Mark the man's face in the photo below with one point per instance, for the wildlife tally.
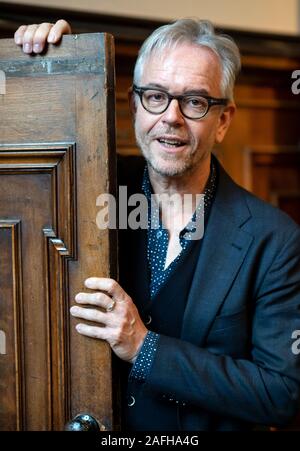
(172, 144)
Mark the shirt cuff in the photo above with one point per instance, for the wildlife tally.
(145, 358)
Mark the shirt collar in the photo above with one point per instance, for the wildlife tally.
(202, 208)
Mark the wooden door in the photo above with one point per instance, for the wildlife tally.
(273, 174)
(57, 154)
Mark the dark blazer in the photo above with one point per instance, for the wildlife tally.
(233, 365)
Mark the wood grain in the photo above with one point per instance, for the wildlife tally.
(57, 154)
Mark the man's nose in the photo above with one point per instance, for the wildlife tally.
(173, 115)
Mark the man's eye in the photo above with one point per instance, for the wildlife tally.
(195, 102)
(155, 97)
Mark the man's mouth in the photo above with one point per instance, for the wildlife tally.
(172, 142)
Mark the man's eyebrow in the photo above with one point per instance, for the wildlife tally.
(193, 92)
(155, 86)
(196, 92)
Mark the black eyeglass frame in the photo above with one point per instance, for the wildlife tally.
(211, 101)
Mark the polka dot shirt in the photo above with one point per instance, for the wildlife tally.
(157, 247)
(158, 237)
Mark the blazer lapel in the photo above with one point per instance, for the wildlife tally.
(223, 251)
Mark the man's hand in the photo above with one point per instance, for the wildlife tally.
(33, 38)
(121, 327)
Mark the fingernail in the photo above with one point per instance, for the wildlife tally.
(18, 40)
(37, 48)
(27, 48)
(51, 37)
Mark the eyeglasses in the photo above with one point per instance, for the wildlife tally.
(191, 106)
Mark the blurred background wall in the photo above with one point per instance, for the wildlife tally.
(262, 148)
(278, 16)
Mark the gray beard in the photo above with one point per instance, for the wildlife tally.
(184, 168)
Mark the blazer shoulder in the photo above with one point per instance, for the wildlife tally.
(260, 217)
(269, 215)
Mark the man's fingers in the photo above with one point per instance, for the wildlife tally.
(40, 37)
(28, 38)
(34, 37)
(61, 27)
(18, 36)
(99, 299)
(89, 314)
(110, 286)
(92, 331)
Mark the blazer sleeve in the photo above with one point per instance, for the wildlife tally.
(262, 389)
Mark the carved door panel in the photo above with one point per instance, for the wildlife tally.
(57, 154)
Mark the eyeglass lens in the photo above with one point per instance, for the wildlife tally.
(191, 105)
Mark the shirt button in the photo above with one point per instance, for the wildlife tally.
(131, 402)
(159, 234)
(148, 320)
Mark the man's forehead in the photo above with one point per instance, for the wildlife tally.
(189, 58)
(182, 68)
(183, 51)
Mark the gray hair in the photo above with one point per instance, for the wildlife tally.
(194, 31)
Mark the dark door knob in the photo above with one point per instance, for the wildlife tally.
(83, 422)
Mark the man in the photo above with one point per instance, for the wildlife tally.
(204, 326)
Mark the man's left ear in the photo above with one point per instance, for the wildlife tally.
(224, 121)
(131, 101)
